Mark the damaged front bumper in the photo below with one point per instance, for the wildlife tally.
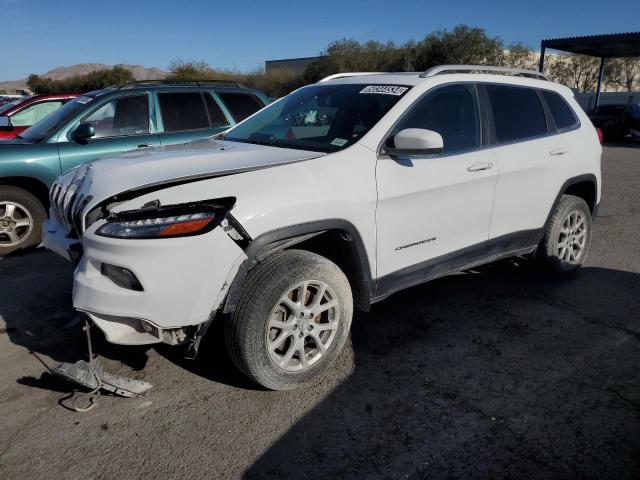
(182, 281)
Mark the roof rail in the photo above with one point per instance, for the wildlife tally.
(348, 74)
(198, 83)
(516, 72)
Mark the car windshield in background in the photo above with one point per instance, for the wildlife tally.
(322, 118)
(48, 125)
(11, 104)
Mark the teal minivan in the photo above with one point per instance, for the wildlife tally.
(102, 123)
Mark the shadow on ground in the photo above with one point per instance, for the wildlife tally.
(37, 314)
(493, 374)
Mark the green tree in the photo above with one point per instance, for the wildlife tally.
(191, 70)
(575, 71)
(624, 73)
(95, 80)
(462, 45)
(519, 56)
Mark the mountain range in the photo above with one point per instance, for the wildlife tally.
(60, 73)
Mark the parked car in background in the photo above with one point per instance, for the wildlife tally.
(18, 115)
(634, 121)
(613, 120)
(107, 122)
(332, 198)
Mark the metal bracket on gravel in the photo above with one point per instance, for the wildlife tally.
(91, 375)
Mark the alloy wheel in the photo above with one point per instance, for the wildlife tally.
(303, 325)
(572, 239)
(16, 223)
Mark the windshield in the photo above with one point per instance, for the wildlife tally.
(10, 104)
(48, 125)
(322, 118)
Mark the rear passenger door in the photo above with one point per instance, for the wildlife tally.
(188, 116)
(533, 160)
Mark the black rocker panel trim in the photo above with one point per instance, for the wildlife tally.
(512, 244)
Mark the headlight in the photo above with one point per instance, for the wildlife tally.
(163, 222)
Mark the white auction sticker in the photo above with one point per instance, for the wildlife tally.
(385, 89)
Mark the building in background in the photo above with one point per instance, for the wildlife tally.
(293, 65)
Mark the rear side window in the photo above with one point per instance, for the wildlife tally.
(241, 105)
(183, 111)
(517, 113)
(216, 116)
(562, 114)
(452, 111)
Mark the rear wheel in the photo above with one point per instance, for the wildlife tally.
(21, 217)
(567, 237)
(292, 319)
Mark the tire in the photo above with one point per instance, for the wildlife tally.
(21, 218)
(569, 221)
(263, 319)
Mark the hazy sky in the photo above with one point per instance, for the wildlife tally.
(38, 35)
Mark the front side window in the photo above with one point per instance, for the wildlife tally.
(322, 118)
(34, 113)
(562, 114)
(452, 111)
(182, 111)
(517, 113)
(121, 117)
(241, 105)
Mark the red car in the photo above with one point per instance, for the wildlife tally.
(18, 115)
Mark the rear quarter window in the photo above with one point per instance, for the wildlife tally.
(241, 105)
(561, 112)
(517, 113)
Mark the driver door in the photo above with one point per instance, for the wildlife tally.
(122, 124)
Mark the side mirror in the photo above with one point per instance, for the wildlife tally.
(5, 124)
(415, 141)
(83, 132)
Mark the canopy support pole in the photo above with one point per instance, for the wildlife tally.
(603, 62)
(541, 64)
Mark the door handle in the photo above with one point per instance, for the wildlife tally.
(476, 167)
(558, 151)
(142, 145)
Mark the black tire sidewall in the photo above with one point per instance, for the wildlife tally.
(568, 204)
(35, 208)
(303, 266)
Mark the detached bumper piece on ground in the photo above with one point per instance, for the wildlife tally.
(91, 375)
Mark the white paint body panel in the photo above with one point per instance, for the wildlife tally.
(390, 205)
(434, 200)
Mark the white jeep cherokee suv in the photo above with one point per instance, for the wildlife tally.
(333, 197)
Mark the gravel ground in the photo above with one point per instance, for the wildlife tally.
(494, 373)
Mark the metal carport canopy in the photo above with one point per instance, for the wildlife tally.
(614, 45)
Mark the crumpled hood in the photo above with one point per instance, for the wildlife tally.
(142, 169)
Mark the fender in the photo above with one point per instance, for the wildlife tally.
(281, 238)
(587, 177)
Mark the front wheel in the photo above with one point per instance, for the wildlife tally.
(567, 237)
(292, 319)
(21, 217)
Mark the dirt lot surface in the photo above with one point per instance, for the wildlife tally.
(494, 373)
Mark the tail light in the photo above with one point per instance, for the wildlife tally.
(600, 136)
